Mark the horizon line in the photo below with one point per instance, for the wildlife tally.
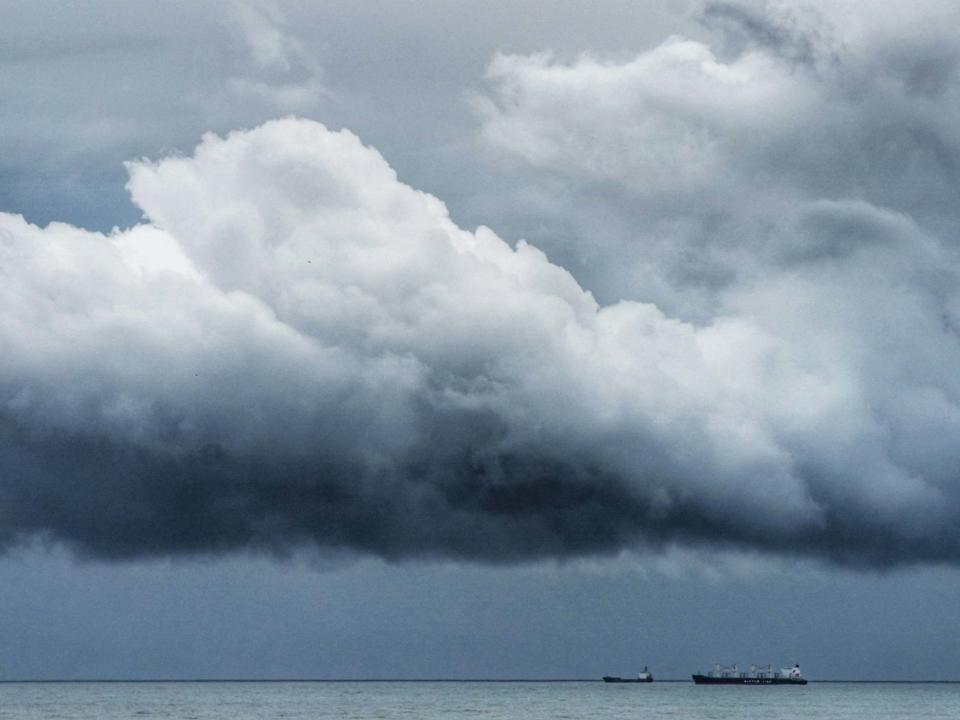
(10, 681)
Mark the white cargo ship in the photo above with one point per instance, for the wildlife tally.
(732, 675)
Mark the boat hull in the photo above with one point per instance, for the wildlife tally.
(707, 680)
(611, 679)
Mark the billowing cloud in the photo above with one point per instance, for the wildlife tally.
(299, 348)
(296, 348)
(681, 167)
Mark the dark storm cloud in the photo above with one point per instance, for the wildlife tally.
(121, 502)
(297, 348)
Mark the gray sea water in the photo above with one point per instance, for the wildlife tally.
(474, 700)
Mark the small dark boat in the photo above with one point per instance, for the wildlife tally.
(644, 676)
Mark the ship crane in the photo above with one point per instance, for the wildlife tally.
(726, 670)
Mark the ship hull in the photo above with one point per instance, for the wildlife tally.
(610, 679)
(707, 680)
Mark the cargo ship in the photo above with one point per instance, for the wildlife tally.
(732, 675)
(644, 676)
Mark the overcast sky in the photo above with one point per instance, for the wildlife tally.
(420, 339)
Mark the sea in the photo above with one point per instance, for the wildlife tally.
(369, 700)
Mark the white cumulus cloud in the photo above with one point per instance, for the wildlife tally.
(298, 347)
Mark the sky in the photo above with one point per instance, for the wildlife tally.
(493, 339)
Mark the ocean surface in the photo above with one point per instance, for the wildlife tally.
(475, 700)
